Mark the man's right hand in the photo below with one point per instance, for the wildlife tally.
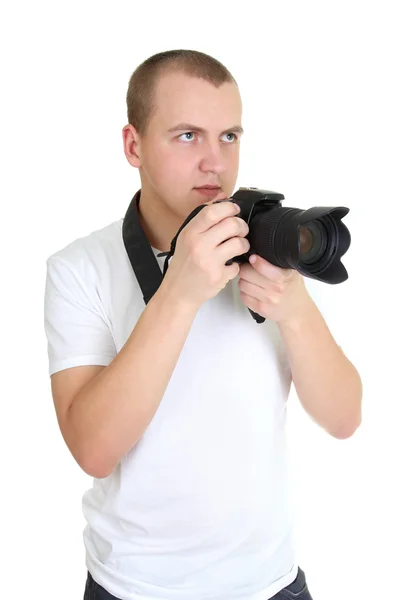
(197, 271)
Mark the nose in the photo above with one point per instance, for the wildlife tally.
(213, 159)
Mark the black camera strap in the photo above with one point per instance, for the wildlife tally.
(140, 253)
(141, 256)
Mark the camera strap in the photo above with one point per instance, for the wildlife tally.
(140, 253)
(141, 256)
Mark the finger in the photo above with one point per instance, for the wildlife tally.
(265, 268)
(211, 215)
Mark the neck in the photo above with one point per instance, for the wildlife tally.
(158, 224)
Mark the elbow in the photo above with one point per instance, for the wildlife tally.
(94, 466)
(348, 429)
(97, 462)
(88, 453)
(96, 471)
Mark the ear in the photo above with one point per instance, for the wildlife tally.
(131, 141)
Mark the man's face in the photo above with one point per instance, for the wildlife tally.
(175, 163)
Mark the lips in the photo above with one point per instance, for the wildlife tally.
(208, 187)
(208, 191)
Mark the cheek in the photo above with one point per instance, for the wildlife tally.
(172, 173)
(232, 165)
(173, 166)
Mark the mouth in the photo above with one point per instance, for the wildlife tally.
(208, 187)
(208, 190)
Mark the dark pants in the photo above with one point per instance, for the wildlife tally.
(297, 590)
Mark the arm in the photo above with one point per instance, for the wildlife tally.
(110, 414)
(327, 384)
(104, 407)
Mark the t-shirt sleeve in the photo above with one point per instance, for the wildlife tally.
(77, 333)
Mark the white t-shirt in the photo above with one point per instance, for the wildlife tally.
(200, 508)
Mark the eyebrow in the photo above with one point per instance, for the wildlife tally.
(189, 127)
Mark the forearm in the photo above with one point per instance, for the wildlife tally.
(327, 384)
(111, 414)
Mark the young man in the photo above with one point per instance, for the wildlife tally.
(177, 408)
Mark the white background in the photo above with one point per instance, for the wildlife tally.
(320, 89)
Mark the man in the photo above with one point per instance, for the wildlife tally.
(177, 409)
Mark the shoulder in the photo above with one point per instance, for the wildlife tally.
(92, 252)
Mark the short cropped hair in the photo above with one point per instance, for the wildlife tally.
(140, 97)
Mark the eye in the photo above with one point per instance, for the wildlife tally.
(184, 136)
(235, 137)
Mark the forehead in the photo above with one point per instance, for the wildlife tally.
(181, 98)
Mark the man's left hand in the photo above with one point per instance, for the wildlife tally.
(274, 293)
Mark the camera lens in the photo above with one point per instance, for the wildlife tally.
(306, 240)
(286, 239)
(313, 241)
